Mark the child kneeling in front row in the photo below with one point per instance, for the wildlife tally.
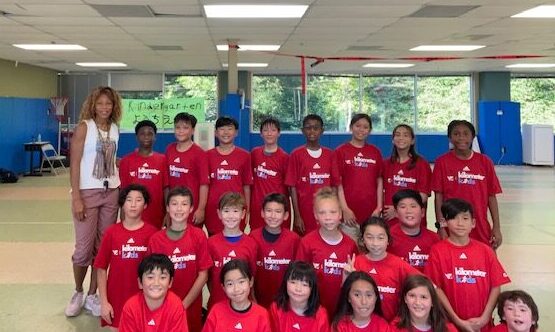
(155, 308)
(466, 272)
(518, 312)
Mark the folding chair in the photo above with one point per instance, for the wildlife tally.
(50, 156)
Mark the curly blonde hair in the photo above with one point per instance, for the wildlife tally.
(88, 108)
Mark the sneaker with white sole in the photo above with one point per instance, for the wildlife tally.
(92, 304)
(75, 305)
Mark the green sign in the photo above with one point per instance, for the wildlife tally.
(161, 111)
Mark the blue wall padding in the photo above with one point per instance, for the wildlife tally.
(23, 119)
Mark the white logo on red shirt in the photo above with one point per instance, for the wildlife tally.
(239, 326)
(463, 276)
(132, 173)
(224, 163)
(145, 165)
(316, 166)
(466, 169)
(296, 326)
(232, 253)
(176, 171)
(152, 323)
(360, 154)
(450, 178)
(263, 164)
(449, 276)
(272, 253)
(226, 174)
(401, 172)
(387, 289)
(146, 173)
(115, 252)
(263, 172)
(316, 266)
(462, 256)
(363, 162)
(131, 240)
(176, 251)
(373, 271)
(177, 160)
(333, 255)
(416, 248)
(315, 178)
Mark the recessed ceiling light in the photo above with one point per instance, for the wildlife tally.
(531, 65)
(448, 48)
(388, 65)
(101, 64)
(538, 12)
(249, 64)
(251, 47)
(255, 11)
(51, 47)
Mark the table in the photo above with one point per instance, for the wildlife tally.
(32, 148)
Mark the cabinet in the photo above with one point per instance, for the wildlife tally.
(537, 144)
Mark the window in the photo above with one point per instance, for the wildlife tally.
(536, 96)
(188, 86)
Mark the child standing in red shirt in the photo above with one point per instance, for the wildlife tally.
(238, 312)
(518, 312)
(122, 249)
(229, 244)
(360, 169)
(465, 174)
(230, 171)
(187, 248)
(359, 306)
(277, 247)
(188, 165)
(310, 168)
(466, 272)
(327, 248)
(155, 309)
(409, 240)
(269, 163)
(388, 270)
(148, 168)
(405, 169)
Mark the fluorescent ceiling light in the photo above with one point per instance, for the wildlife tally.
(255, 11)
(51, 47)
(101, 64)
(538, 12)
(251, 47)
(388, 65)
(448, 48)
(531, 65)
(249, 64)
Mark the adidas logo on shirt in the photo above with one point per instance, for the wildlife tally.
(263, 164)
(115, 252)
(401, 172)
(316, 166)
(232, 253)
(417, 248)
(297, 326)
(333, 255)
(238, 326)
(177, 251)
(272, 253)
(177, 160)
(224, 163)
(462, 256)
(131, 240)
(132, 173)
(373, 271)
(466, 169)
(145, 165)
(360, 154)
(449, 276)
(152, 323)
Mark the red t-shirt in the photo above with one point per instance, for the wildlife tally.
(307, 175)
(397, 176)
(360, 169)
(473, 180)
(466, 274)
(500, 328)
(377, 324)
(189, 256)
(151, 172)
(227, 173)
(389, 274)
(289, 321)
(223, 318)
(137, 317)
(222, 251)
(272, 260)
(121, 252)
(412, 249)
(329, 261)
(268, 177)
(450, 328)
(189, 169)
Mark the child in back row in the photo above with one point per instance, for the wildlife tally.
(229, 244)
(122, 248)
(269, 164)
(327, 248)
(156, 308)
(359, 306)
(188, 165)
(467, 273)
(238, 312)
(518, 312)
(187, 248)
(297, 306)
(409, 240)
(310, 168)
(277, 247)
(230, 171)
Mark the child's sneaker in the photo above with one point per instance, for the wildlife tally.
(75, 305)
(92, 304)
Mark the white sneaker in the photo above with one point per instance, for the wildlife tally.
(92, 304)
(74, 306)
